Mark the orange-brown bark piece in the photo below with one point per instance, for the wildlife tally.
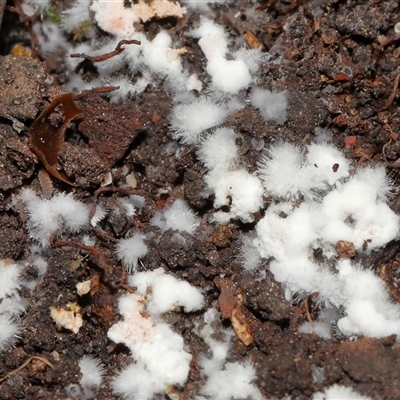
(231, 306)
(390, 274)
(345, 249)
(227, 301)
(251, 40)
(45, 139)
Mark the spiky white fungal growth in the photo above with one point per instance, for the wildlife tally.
(219, 150)
(188, 121)
(131, 249)
(47, 216)
(10, 302)
(288, 172)
(239, 190)
(339, 392)
(233, 381)
(272, 106)
(92, 372)
(8, 332)
(177, 217)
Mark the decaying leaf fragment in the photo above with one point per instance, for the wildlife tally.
(231, 306)
(45, 139)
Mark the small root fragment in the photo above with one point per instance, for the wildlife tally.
(95, 252)
(308, 314)
(24, 364)
(390, 100)
(90, 60)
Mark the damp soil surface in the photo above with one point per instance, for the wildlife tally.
(340, 67)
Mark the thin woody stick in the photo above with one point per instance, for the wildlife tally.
(102, 57)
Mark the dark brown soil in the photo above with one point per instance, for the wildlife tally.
(340, 65)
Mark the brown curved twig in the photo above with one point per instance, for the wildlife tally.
(99, 257)
(24, 364)
(125, 191)
(390, 100)
(89, 60)
(28, 20)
